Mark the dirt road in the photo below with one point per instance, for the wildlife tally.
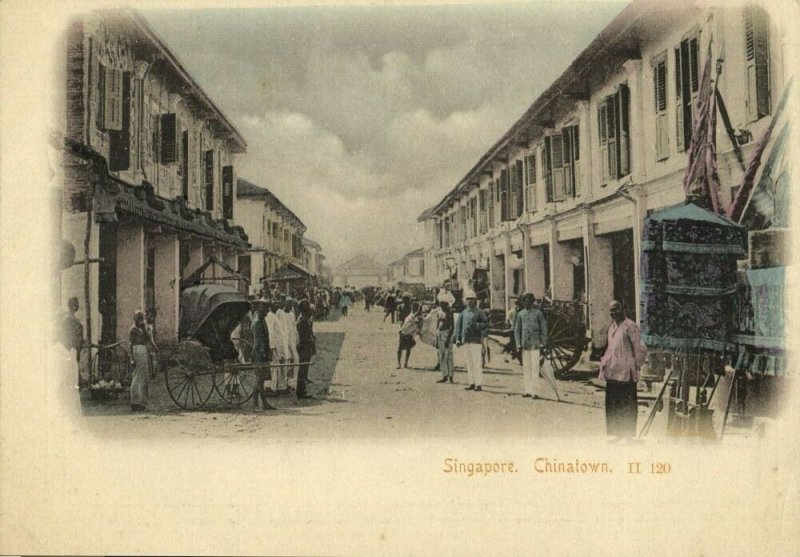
(359, 393)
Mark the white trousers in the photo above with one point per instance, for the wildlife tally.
(291, 372)
(472, 354)
(535, 381)
(530, 369)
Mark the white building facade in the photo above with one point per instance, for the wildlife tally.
(556, 205)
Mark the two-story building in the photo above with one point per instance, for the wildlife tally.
(409, 269)
(312, 256)
(556, 204)
(149, 169)
(276, 238)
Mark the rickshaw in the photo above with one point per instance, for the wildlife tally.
(207, 359)
(566, 332)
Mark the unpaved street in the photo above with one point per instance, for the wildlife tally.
(359, 393)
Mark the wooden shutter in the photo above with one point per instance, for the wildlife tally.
(548, 169)
(660, 97)
(168, 126)
(185, 165)
(602, 130)
(613, 139)
(227, 192)
(520, 172)
(112, 99)
(208, 164)
(505, 197)
(576, 159)
(119, 156)
(557, 165)
(512, 191)
(680, 70)
(756, 27)
(623, 131)
(569, 175)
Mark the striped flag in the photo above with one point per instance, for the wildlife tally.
(762, 188)
(701, 180)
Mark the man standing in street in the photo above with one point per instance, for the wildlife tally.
(530, 336)
(620, 368)
(444, 337)
(261, 352)
(306, 346)
(290, 323)
(278, 346)
(472, 327)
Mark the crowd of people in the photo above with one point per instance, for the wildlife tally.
(465, 327)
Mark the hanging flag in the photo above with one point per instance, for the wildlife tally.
(701, 180)
(772, 144)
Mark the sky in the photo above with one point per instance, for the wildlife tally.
(361, 117)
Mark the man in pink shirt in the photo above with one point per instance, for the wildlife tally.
(620, 367)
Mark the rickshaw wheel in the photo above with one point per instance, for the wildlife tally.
(189, 374)
(565, 338)
(237, 385)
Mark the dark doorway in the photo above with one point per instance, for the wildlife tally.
(623, 273)
(185, 165)
(578, 272)
(150, 277)
(107, 283)
(546, 267)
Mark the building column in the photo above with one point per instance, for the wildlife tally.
(167, 286)
(639, 214)
(599, 281)
(130, 280)
(196, 255)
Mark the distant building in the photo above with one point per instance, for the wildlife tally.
(360, 271)
(276, 236)
(409, 269)
(312, 256)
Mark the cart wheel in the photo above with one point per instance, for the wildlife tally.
(189, 374)
(565, 338)
(236, 386)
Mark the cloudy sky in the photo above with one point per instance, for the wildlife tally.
(359, 118)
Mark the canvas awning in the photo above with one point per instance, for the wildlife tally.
(289, 272)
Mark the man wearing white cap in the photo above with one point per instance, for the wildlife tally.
(471, 328)
(290, 323)
(277, 345)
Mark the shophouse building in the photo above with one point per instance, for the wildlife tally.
(276, 238)
(556, 205)
(149, 169)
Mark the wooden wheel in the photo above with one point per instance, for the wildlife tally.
(236, 384)
(565, 338)
(189, 374)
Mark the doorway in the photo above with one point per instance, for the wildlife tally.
(623, 272)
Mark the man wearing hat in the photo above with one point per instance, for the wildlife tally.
(471, 328)
(530, 335)
(620, 367)
(261, 352)
(444, 335)
(290, 323)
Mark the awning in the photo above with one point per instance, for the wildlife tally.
(114, 197)
(288, 272)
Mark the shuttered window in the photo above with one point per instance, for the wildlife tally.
(687, 84)
(484, 211)
(614, 134)
(555, 161)
(548, 169)
(168, 129)
(602, 127)
(119, 154)
(660, 97)
(505, 206)
(185, 165)
(571, 161)
(208, 165)
(473, 215)
(530, 182)
(110, 101)
(756, 30)
(519, 172)
(227, 192)
(490, 211)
